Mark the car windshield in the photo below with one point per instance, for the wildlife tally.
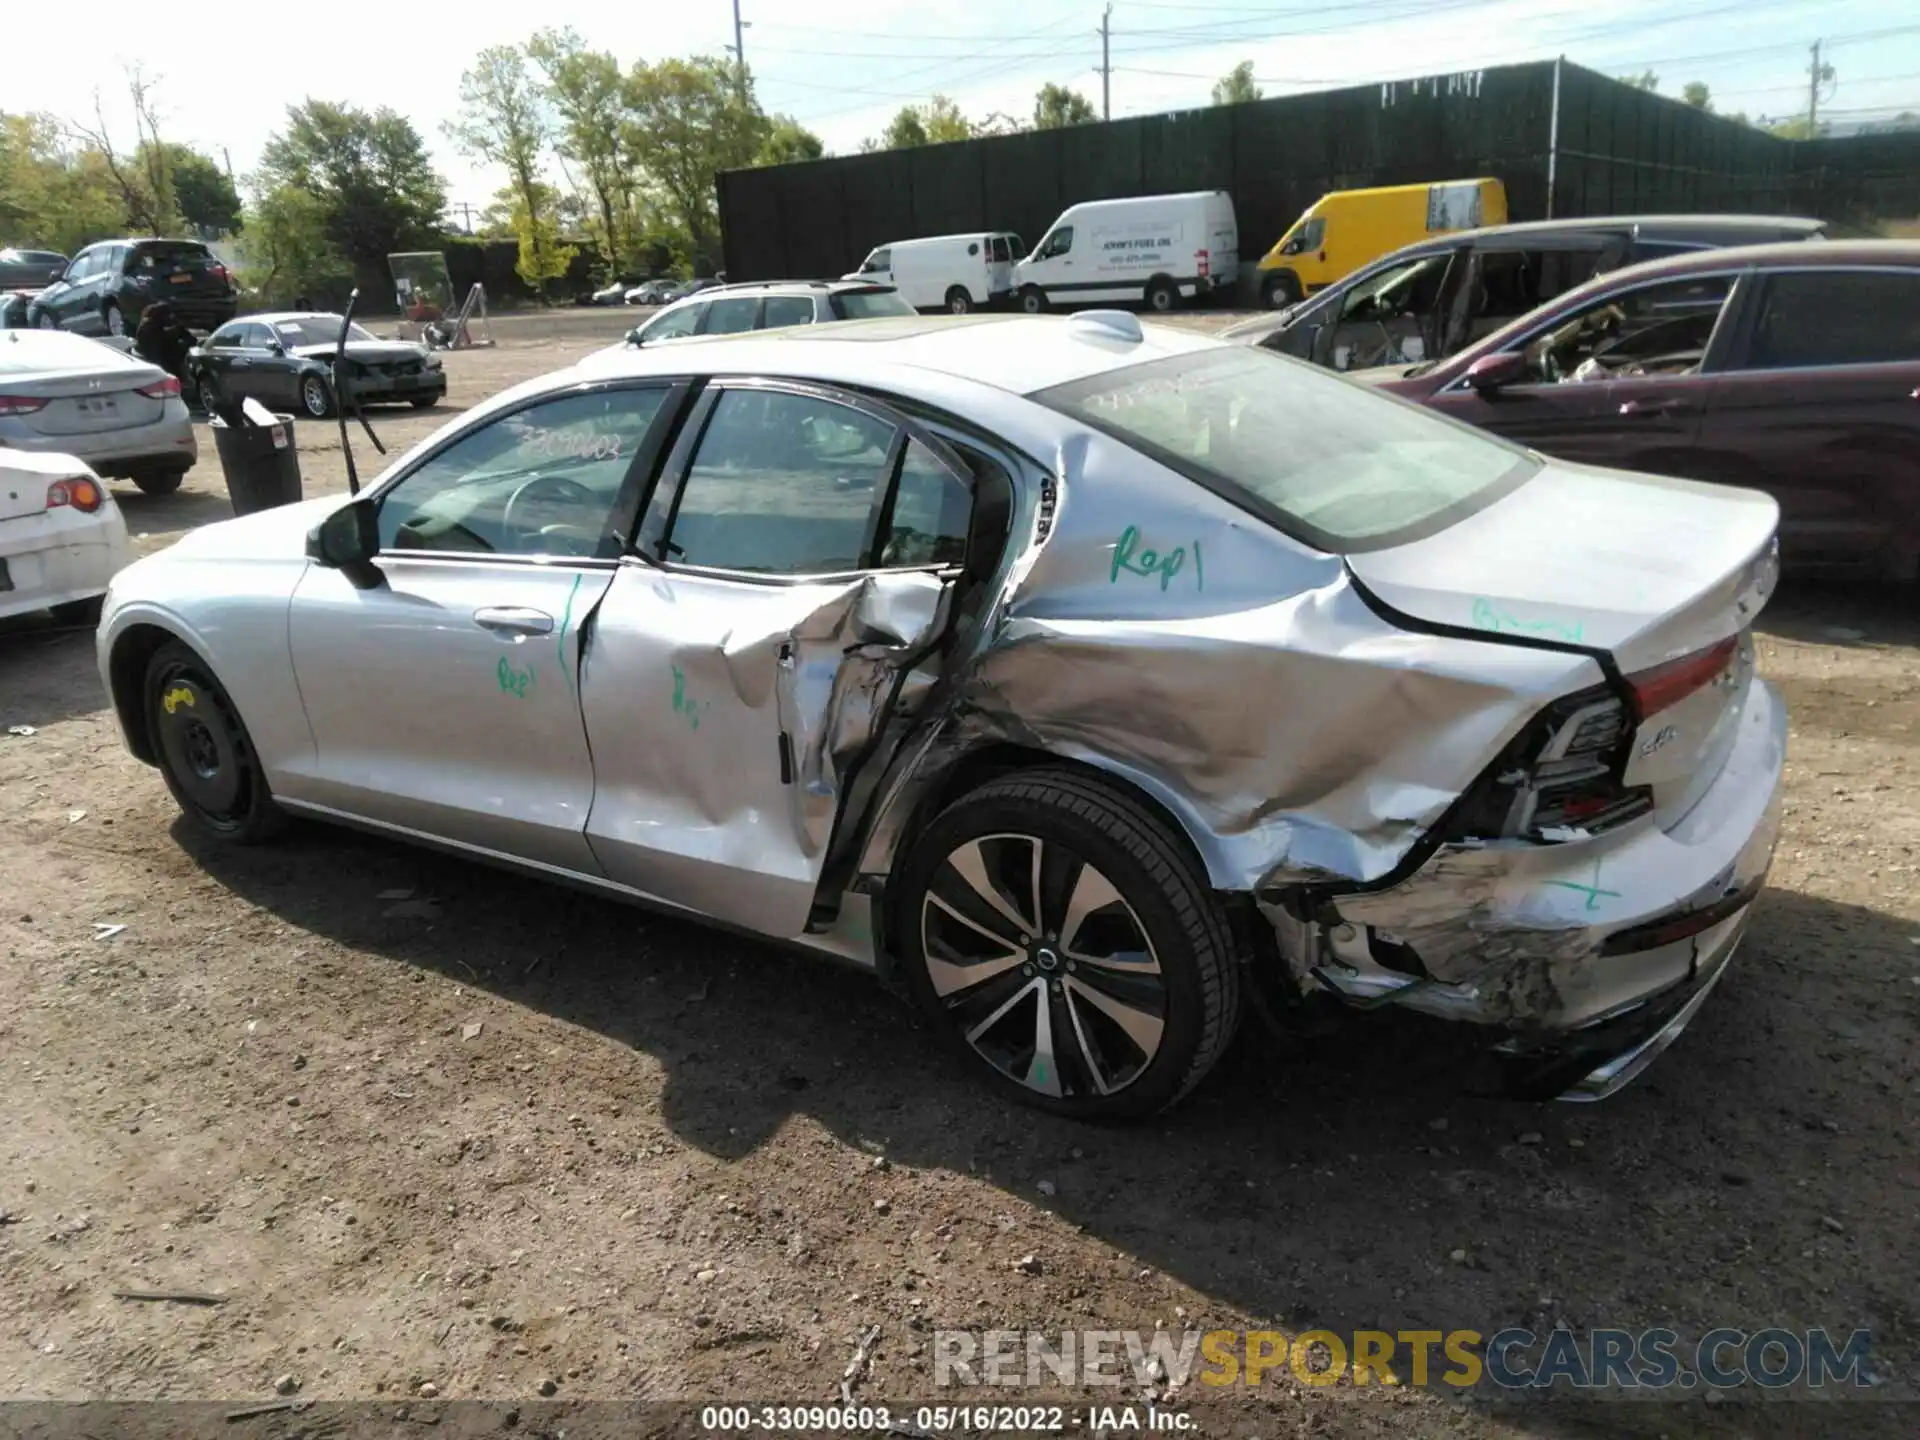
(869, 304)
(314, 330)
(1325, 459)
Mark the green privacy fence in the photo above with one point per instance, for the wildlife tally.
(1565, 140)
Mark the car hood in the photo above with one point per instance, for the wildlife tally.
(276, 534)
(1256, 329)
(1383, 374)
(1638, 566)
(378, 351)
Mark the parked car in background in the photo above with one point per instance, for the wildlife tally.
(285, 361)
(67, 395)
(30, 269)
(62, 538)
(612, 293)
(956, 273)
(653, 292)
(1074, 674)
(1342, 231)
(1794, 369)
(1154, 250)
(1434, 298)
(769, 305)
(106, 287)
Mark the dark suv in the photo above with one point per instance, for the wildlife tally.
(1433, 298)
(108, 285)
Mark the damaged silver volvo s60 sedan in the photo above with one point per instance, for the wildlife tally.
(1076, 677)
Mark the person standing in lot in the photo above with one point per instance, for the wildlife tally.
(161, 340)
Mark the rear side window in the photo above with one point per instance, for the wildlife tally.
(1324, 459)
(1837, 317)
(788, 310)
(1000, 251)
(732, 316)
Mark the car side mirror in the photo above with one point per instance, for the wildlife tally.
(634, 338)
(274, 347)
(1490, 372)
(347, 540)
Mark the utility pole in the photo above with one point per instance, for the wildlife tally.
(739, 48)
(1106, 64)
(1813, 94)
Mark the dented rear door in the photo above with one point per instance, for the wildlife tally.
(797, 566)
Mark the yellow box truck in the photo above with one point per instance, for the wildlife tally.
(1344, 230)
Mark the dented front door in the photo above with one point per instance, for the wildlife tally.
(733, 685)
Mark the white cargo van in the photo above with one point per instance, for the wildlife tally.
(1157, 249)
(946, 272)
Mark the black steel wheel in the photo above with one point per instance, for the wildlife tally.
(1055, 929)
(1279, 290)
(1033, 300)
(204, 750)
(959, 302)
(1162, 294)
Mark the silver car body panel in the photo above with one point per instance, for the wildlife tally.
(94, 408)
(1306, 720)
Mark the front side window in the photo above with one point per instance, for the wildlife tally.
(1661, 329)
(1837, 317)
(879, 260)
(227, 337)
(1058, 243)
(541, 481)
(1309, 236)
(1323, 458)
(781, 484)
(732, 316)
(672, 324)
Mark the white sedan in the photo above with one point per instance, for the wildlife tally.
(64, 394)
(61, 537)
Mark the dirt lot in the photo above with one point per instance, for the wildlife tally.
(488, 1133)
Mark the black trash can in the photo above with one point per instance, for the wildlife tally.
(261, 463)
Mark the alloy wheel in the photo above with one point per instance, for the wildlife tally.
(313, 394)
(1043, 966)
(116, 322)
(44, 321)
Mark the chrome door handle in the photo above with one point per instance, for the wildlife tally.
(1654, 407)
(513, 620)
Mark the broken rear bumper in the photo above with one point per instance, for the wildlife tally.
(1590, 956)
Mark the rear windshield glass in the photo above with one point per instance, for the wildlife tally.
(165, 258)
(1323, 458)
(869, 304)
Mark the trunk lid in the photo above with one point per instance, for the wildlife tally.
(1662, 578)
(25, 476)
(88, 388)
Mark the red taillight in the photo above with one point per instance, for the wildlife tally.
(221, 271)
(1200, 258)
(1654, 690)
(20, 404)
(160, 389)
(80, 492)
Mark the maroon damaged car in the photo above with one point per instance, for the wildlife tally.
(1793, 369)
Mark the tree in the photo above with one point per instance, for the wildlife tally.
(904, 131)
(1236, 87)
(144, 176)
(1795, 127)
(203, 191)
(584, 88)
(934, 123)
(287, 249)
(788, 140)
(945, 122)
(544, 258)
(1056, 107)
(373, 189)
(687, 120)
(503, 121)
(1646, 80)
(1696, 94)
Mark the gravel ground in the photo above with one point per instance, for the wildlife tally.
(425, 1124)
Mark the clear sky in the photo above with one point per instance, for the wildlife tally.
(844, 66)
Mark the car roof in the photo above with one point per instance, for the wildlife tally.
(1643, 225)
(1829, 254)
(1016, 353)
(274, 317)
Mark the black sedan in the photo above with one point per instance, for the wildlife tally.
(286, 363)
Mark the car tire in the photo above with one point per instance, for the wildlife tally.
(203, 750)
(1162, 295)
(1280, 289)
(158, 482)
(80, 612)
(959, 302)
(1033, 300)
(316, 397)
(44, 321)
(1070, 1030)
(206, 394)
(115, 322)
(424, 402)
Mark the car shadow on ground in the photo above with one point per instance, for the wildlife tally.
(1844, 613)
(1340, 1181)
(47, 672)
(171, 516)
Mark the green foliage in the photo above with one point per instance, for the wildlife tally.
(1236, 87)
(787, 141)
(1646, 80)
(544, 257)
(1056, 107)
(287, 249)
(52, 194)
(202, 191)
(585, 91)
(687, 120)
(365, 186)
(934, 123)
(1696, 94)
